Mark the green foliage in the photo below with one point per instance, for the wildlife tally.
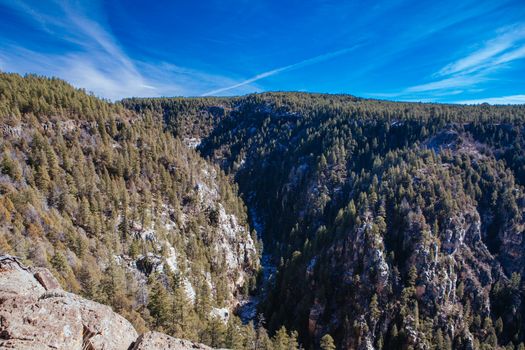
(327, 342)
(82, 182)
(354, 182)
(358, 198)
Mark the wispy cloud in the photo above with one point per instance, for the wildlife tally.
(97, 62)
(481, 64)
(454, 82)
(475, 68)
(303, 63)
(73, 39)
(503, 100)
(506, 47)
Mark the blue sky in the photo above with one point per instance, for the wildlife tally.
(442, 51)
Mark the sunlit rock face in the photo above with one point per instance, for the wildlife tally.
(35, 313)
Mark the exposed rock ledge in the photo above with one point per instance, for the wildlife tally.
(35, 313)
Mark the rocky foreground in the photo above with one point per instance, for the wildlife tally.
(36, 313)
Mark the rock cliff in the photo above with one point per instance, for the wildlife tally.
(393, 225)
(35, 313)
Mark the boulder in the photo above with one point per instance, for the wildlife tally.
(37, 314)
(46, 279)
(27, 322)
(15, 279)
(160, 341)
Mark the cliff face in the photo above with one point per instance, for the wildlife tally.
(225, 235)
(394, 225)
(160, 232)
(35, 313)
(119, 210)
(386, 225)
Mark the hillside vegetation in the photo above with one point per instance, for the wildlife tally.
(123, 213)
(390, 225)
(394, 225)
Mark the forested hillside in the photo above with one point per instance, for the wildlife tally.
(123, 213)
(393, 225)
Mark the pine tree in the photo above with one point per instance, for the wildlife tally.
(10, 167)
(216, 332)
(374, 309)
(249, 337)
(262, 340)
(412, 276)
(233, 338)
(203, 302)
(59, 262)
(42, 178)
(111, 287)
(87, 281)
(327, 342)
(293, 343)
(280, 339)
(159, 303)
(499, 326)
(439, 341)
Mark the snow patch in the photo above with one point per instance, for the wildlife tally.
(190, 291)
(221, 313)
(171, 260)
(192, 142)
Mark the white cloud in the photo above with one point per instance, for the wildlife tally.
(476, 67)
(445, 84)
(490, 54)
(97, 72)
(272, 72)
(117, 84)
(503, 100)
(511, 55)
(246, 82)
(97, 62)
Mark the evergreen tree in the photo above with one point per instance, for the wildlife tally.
(327, 342)
(280, 339)
(159, 303)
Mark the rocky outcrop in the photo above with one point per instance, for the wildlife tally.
(35, 313)
(156, 340)
(397, 226)
(224, 232)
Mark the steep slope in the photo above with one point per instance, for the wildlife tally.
(119, 210)
(394, 225)
(35, 313)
